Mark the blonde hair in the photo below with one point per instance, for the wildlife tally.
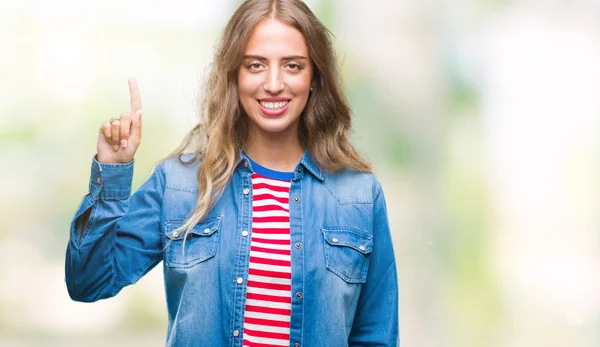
(218, 138)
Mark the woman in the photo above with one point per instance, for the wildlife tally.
(273, 231)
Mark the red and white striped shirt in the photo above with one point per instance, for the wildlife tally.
(269, 285)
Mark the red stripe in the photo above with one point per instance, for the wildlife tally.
(275, 262)
(269, 208)
(265, 297)
(270, 310)
(272, 187)
(269, 322)
(269, 196)
(274, 286)
(267, 334)
(273, 242)
(265, 273)
(269, 250)
(255, 344)
(271, 219)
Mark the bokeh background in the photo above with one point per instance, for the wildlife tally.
(480, 117)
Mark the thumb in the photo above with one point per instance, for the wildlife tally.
(136, 125)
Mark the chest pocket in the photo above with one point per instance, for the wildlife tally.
(347, 252)
(200, 244)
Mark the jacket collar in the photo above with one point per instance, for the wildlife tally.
(305, 161)
(310, 165)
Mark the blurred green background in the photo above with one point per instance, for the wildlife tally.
(481, 119)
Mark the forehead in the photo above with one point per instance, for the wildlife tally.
(272, 38)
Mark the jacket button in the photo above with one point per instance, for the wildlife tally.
(296, 345)
(298, 244)
(334, 240)
(299, 295)
(206, 231)
(246, 191)
(244, 233)
(236, 333)
(175, 234)
(99, 180)
(362, 248)
(296, 198)
(240, 280)
(246, 164)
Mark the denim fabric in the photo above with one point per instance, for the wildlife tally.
(344, 281)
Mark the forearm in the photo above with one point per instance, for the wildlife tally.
(89, 263)
(114, 236)
(90, 260)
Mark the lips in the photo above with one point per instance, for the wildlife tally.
(273, 107)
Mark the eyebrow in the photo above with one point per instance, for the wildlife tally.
(291, 57)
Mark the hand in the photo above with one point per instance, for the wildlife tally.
(119, 138)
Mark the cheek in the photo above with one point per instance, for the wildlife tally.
(299, 84)
(302, 81)
(247, 85)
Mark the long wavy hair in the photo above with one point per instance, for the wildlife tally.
(218, 138)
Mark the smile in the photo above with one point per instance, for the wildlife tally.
(273, 108)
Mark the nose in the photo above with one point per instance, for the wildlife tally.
(273, 84)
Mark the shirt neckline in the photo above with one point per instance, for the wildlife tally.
(269, 173)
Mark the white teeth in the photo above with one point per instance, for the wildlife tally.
(273, 105)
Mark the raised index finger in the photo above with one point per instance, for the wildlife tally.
(134, 96)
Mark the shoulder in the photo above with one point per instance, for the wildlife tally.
(179, 171)
(349, 186)
(184, 161)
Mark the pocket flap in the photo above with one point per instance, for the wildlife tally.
(205, 228)
(348, 237)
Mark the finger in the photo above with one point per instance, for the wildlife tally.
(105, 130)
(124, 128)
(134, 95)
(136, 125)
(114, 132)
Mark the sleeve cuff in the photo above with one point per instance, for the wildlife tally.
(111, 181)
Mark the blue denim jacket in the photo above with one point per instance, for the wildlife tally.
(344, 291)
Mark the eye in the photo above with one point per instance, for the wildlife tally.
(254, 66)
(294, 66)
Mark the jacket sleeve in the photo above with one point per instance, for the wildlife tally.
(122, 238)
(376, 319)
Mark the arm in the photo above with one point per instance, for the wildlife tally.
(376, 319)
(120, 240)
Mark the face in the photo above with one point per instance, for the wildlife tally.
(274, 78)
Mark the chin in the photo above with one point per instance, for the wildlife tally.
(273, 125)
(274, 128)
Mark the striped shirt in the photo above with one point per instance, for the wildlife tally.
(269, 285)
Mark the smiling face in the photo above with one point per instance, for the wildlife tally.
(274, 78)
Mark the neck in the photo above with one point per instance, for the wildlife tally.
(279, 152)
